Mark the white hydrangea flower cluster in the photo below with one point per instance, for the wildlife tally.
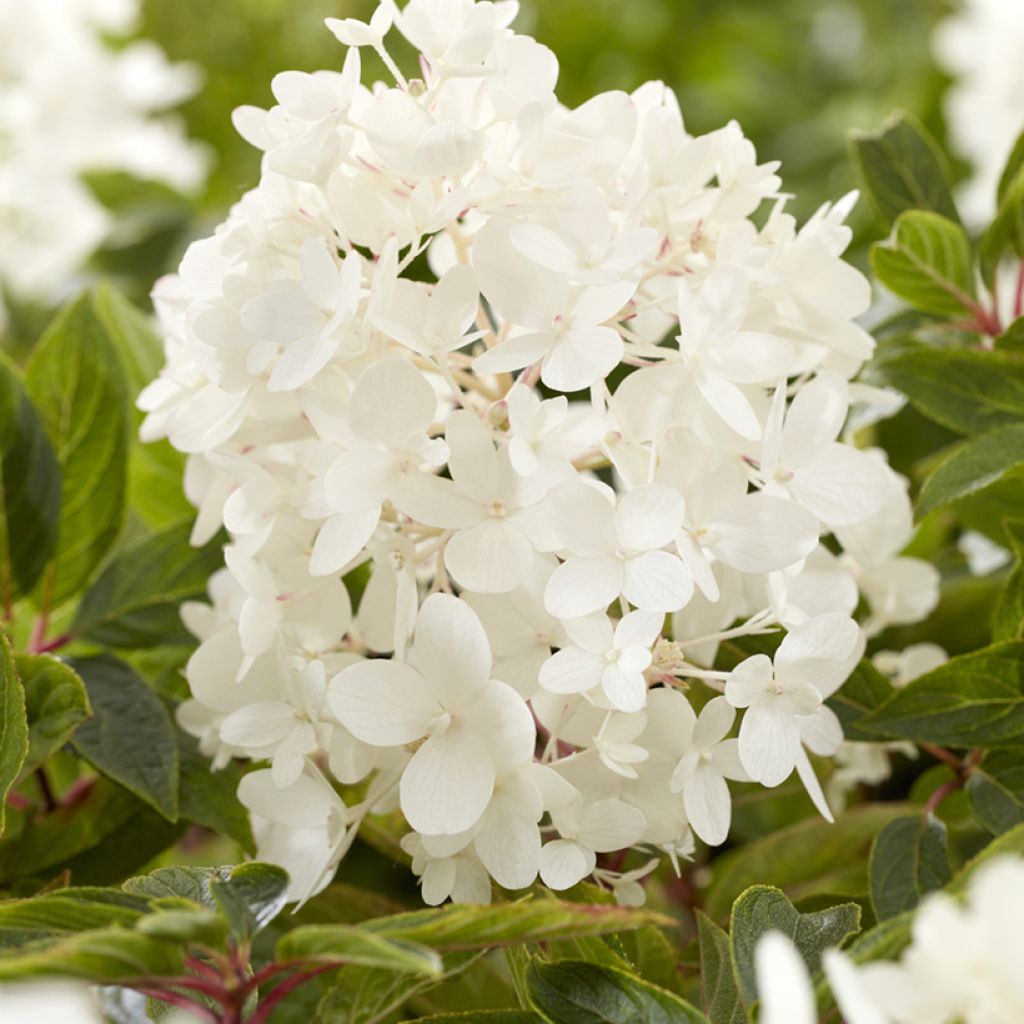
(962, 965)
(980, 47)
(69, 103)
(370, 365)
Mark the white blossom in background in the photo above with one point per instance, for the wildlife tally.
(980, 46)
(70, 104)
(962, 965)
(514, 417)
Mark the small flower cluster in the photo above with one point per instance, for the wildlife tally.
(537, 387)
(69, 104)
(962, 965)
(980, 47)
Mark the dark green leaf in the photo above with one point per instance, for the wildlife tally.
(809, 859)
(928, 262)
(30, 479)
(722, 1002)
(130, 737)
(1009, 843)
(469, 926)
(181, 882)
(865, 690)
(965, 390)
(1008, 616)
(76, 383)
(996, 790)
(577, 992)
(975, 699)
(972, 466)
(909, 859)
(209, 798)
(55, 701)
(901, 168)
(13, 724)
(135, 600)
(480, 1017)
(346, 944)
(762, 909)
(250, 896)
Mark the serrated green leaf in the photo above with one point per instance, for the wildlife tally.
(974, 699)
(720, 994)
(971, 467)
(469, 926)
(105, 955)
(135, 600)
(13, 724)
(1008, 615)
(965, 390)
(347, 944)
(577, 992)
(250, 896)
(762, 909)
(130, 737)
(55, 703)
(75, 381)
(182, 882)
(901, 168)
(29, 487)
(909, 859)
(812, 858)
(996, 790)
(928, 262)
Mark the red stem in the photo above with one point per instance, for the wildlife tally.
(262, 1014)
(177, 999)
(37, 638)
(53, 645)
(940, 794)
(1018, 295)
(942, 754)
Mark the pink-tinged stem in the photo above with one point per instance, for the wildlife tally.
(54, 645)
(18, 802)
(940, 794)
(1018, 295)
(262, 1014)
(37, 638)
(177, 999)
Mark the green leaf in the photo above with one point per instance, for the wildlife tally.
(1014, 165)
(30, 480)
(909, 859)
(250, 896)
(64, 912)
(347, 944)
(75, 379)
(722, 1002)
(809, 859)
(928, 262)
(901, 168)
(965, 390)
(55, 702)
(865, 690)
(972, 466)
(469, 926)
(1012, 339)
(996, 790)
(1006, 232)
(1009, 843)
(209, 798)
(577, 992)
(197, 924)
(885, 941)
(763, 908)
(111, 955)
(13, 724)
(135, 600)
(180, 881)
(130, 737)
(480, 1017)
(975, 699)
(1008, 615)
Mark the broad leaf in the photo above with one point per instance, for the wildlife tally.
(719, 992)
(55, 702)
(188, 925)
(347, 944)
(250, 896)
(577, 992)
(1012, 339)
(135, 600)
(209, 798)
(928, 262)
(967, 391)
(480, 1017)
(1008, 616)
(996, 790)
(909, 859)
(864, 690)
(762, 909)
(975, 699)
(30, 482)
(468, 926)
(181, 882)
(1009, 843)
(13, 724)
(901, 168)
(76, 383)
(130, 737)
(971, 467)
(64, 912)
(1005, 234)
(809, 859)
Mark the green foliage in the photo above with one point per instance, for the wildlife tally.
(996, 790)
(56, 703)
(909, 858)
(720, 992)
(14, 742)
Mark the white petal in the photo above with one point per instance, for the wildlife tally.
(820, 652)
(584, 518)
(854, 1002)
(842, 486)
(451, 646)
(563, 863)
(708, 805)
(611, 824)
(713, 723)
(638, 629)
(657, 581)
(649, 517)
(581, 586)
(510, 850)
(503, 721)
(626, 691)
(492, 557)
(473, 462)
(783, 983)
(749, 681)
(383, 703)
(731, 404)
(340, 539)
(571, 671)
(815, 417)
(448, 783)
(821, 732)
(805, 771)
(581, 358)
(391, 402)
(437, 502)
(761, 533)
(769, 742)
(259, 724)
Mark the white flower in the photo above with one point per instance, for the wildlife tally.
(615, 551)
(810, 664)
(612, 660)
(470, 725)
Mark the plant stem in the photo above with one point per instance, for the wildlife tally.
(940, 794)
(54, 645)
(177, 999)
(942, 754)
(50, 802)
(262, 1014)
